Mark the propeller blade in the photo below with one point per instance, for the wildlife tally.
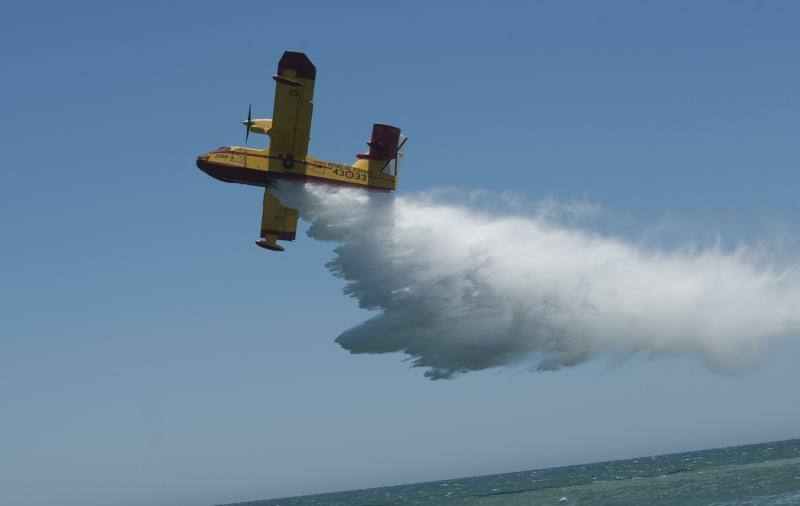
(249, 122)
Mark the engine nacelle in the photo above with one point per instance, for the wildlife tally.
(259, 126)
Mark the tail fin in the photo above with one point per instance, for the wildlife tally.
(386, 145)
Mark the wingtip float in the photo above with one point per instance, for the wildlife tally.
(287, 157)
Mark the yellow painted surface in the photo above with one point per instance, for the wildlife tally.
(364, 173)
(277, 219)
(287, 156)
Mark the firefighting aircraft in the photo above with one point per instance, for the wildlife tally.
(287, 157)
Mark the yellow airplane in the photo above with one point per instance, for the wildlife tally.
(287, 154)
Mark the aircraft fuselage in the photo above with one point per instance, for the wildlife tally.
(257, 168)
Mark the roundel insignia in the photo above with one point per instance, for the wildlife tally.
(279, 217)
(293, 93)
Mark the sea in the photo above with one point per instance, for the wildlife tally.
(759, 474)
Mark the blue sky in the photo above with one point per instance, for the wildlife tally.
(150, 354)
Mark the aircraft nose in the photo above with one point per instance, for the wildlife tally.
(202, 162)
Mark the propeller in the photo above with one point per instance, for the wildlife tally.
(248, 123)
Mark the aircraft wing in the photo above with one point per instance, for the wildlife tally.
(278, 222)
(291, 117)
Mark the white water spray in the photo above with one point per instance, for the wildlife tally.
(460, 290)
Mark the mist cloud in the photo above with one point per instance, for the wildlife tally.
(463, 290)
